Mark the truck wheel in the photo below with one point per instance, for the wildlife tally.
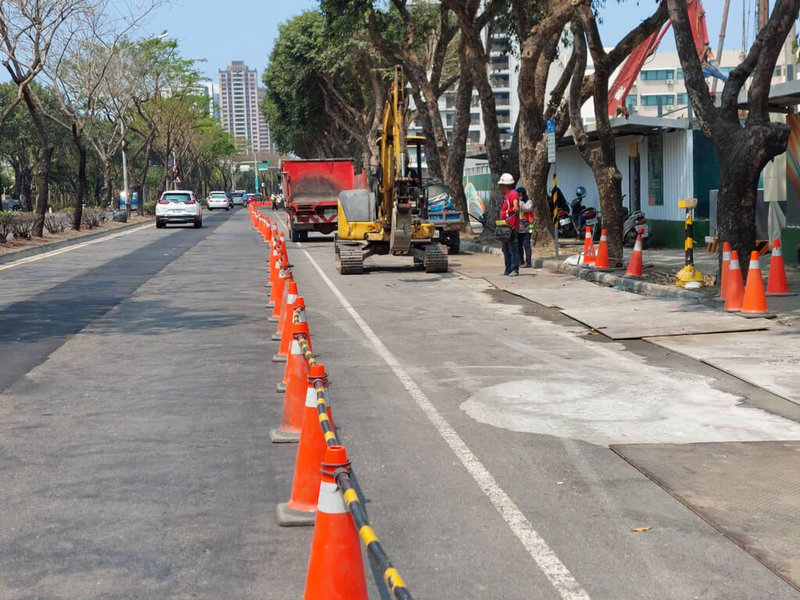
(294, 235)
(302, 236)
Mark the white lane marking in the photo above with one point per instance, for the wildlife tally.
(552, 567)
(30, 259)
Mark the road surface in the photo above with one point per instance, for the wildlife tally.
(137, 395)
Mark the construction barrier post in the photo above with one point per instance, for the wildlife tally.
(689, 277)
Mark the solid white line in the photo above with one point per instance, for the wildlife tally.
(30, 259)
(552, 567)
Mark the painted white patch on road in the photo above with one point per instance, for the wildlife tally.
(551, 566)
(605, 395)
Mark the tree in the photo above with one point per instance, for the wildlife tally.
(29, 31)
(18, 145)
(539, 27)
(420, 37)
(602, 158)
(743, 146)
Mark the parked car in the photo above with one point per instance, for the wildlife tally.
(11, 204)
(238, 197)
(178, 206)
(218, 200)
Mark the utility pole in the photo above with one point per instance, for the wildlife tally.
(722, 29)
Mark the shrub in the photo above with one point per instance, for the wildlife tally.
(150, 207)
(23, 225)
(91, 217)
(6, 225)
(57, 222)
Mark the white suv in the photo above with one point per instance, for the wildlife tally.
(178, 206)
(218, 200)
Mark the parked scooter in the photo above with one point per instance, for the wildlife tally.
(560, 211)
(633, 224)
(584, 216)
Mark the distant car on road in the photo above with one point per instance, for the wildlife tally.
(178, 206)
(218, 200)
(238, 197)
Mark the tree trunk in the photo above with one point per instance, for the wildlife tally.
(538, 170)
(143, 176)
(45, 156)
(77, 214)
(108, 184)
(458, 145)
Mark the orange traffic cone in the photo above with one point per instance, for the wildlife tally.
(295, 374)
(301, 509)
(335, 568)
(274, 261)
(291, 296)
(635, 263)
(280, 292)
(601, 263)
(286, 334)
(754, 303)
(726, 263)
(734, 285)
(276, 293)
(588, 248)
(776, 281)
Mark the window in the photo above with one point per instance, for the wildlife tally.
(474, 137)
(501, 98)
(778, 71)
(653, 99)
(499, 81)
(658, 74)
(727, 70)
(680, 73)
(631, 100)
(503, 117)
(499, 63)
(683, 99)
(655, 171)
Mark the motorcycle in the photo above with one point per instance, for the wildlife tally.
(560, 211)
(584, 216)
(634, 224)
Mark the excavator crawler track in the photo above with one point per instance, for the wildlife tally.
(349, 259)
(435, 259)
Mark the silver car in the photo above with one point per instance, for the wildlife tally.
(178, 206)
(218, 200)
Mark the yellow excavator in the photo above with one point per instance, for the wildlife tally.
(392, 217)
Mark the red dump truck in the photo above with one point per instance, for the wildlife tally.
(311, 189)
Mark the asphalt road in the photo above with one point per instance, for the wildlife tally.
(136, 397)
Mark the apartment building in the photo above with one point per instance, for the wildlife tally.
(239, 105)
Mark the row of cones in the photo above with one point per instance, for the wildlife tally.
(336, 567)
(599, 260)
(750, 298)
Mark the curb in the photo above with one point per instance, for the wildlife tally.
(643, 288)
(13, 256)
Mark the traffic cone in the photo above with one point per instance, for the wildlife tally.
(734, 285)
(288, 306)
(301, 509)
(726, 263)
(335, 568)
(276, 293)
(286, 335)
(776, 281)
(754, 303)
(295, 374)
(601, 263)
(274, 264)
(281, 291)
(635, 263)
(588, 248)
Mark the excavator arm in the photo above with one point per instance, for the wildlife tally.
(619, 90)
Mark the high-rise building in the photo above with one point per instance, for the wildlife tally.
(239, 105)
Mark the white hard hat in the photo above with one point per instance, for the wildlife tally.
(505, 179)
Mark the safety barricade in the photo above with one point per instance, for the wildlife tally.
(335, 550)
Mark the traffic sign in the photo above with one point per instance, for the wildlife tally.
(551, 140)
